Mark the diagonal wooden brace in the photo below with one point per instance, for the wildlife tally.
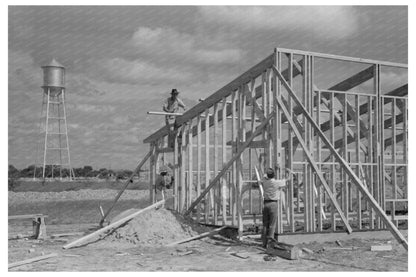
(126, 184)
(393, 229)
(258, 130)
(313, 163)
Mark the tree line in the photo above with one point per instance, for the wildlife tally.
(83, 172)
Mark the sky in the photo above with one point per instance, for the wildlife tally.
(123, 61)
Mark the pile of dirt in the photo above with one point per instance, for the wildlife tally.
(155, 228)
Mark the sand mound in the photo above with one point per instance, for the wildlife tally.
(155, 227)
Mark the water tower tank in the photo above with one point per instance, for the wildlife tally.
(53, 75)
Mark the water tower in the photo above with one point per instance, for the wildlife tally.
(53, 138)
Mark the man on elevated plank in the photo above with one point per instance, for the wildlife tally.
(172, 105)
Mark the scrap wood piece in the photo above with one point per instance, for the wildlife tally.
(284, 250)
(111, 226)
(385, 247)
(241, 255)
(32, 260)
(67, 234)
(307, 250)
(200, 236)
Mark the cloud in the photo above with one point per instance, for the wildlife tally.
(323, 21)
(138, 71)
(24, 75)
(189, 47)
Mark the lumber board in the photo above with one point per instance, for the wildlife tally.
(111, 226)
(200, 236)
(284, 250)
(230, 162)
(341, 58)
(26, 216)
(32, 260)
(390, 225)
(126, 184)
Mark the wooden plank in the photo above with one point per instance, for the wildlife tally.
(200, 236)
(358, 160)
(344, 189)
(216, 189)
(230, 162)
(176, 173)
(32, 260)
(290, 149)
(396, 233)
(113, 225)
(233, 204)
(26, 216)
(163, 113)
(126, 184)
(182, 165)
(198, 181)
(190, 165)
(284, 250)
(342, 58)
(207, 171)
(385, 247)
(333, 168)
(224, 160)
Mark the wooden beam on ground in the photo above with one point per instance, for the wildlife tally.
(230, 162)
(200, 236)
(113, 225)
(390, 225)
(32, 260)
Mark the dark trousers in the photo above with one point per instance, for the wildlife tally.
(269, 220)
(170, 121)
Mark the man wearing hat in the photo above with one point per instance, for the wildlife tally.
(272, 192)
(172, 105)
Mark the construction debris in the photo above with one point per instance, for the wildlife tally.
(386, 247)
(284, 250)
(241, 255)
(32, 260)
(307, 250)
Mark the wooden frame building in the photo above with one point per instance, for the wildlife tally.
(338, 123)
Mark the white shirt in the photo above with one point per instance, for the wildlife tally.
(272, 188)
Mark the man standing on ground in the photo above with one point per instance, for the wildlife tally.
(172, 105)
(272, 191)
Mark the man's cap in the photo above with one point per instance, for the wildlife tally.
(270, 171)
(174, 91)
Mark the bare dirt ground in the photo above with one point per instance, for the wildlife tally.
(77, 211)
